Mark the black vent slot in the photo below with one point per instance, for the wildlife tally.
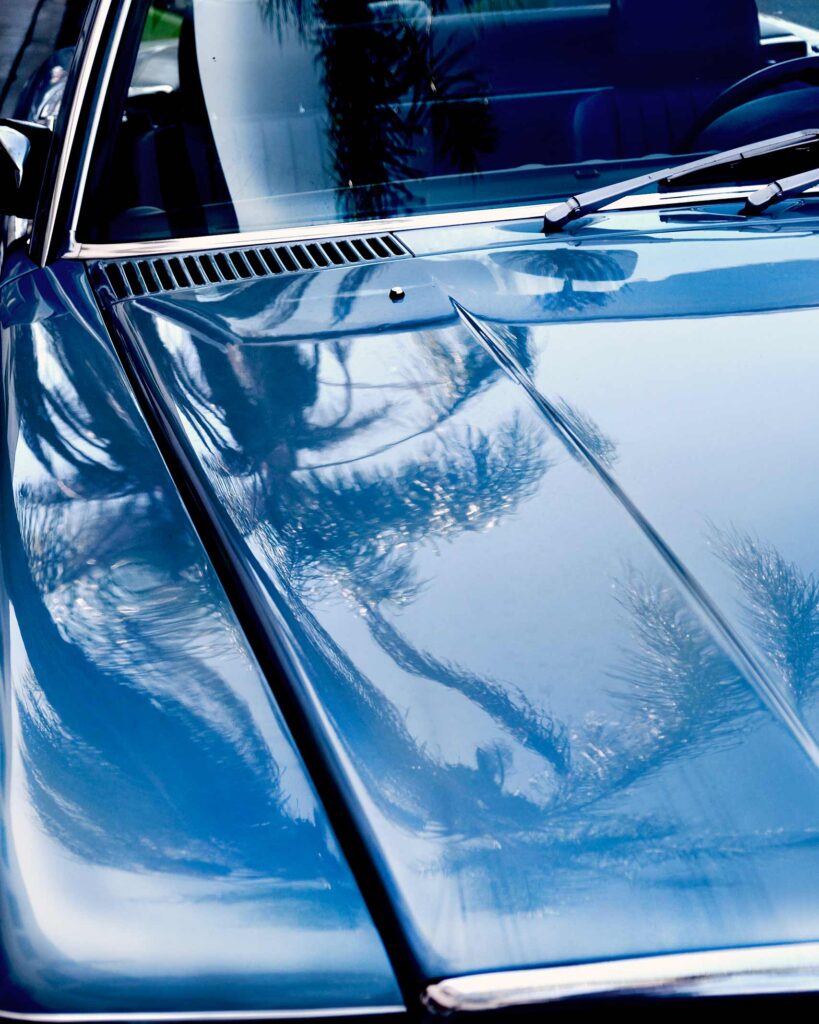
(129, 277)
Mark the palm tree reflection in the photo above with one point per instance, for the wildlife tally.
(588, 432)
(357, 532)
(138, 722)
(106, 613)
(781, 607)
(399, 106)
(588, 278)
(353, 528)
(679, 686)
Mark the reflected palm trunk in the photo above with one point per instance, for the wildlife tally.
(530, 727)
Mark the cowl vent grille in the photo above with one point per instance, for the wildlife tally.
(132, 277)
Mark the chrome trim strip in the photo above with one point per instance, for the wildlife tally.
(785, 38)
(116, 37)
(791, 30)
(334, 229)
(342, 229)
(68, 141)
(206, 1015)
(721, 972)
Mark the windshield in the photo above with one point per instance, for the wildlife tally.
(263, 114)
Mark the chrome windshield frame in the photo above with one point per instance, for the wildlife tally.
(54, 232)
(78, 250)
(68, 134)
(54, 226)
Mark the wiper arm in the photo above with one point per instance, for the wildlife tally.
(782, 189)
(588, 202)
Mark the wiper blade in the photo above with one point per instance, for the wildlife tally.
(794, 185)
(587, 202)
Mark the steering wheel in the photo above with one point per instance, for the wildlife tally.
(800, 69)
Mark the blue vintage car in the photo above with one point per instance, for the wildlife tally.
(409, 526)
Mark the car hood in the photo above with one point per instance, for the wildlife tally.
(134, 882)
(538, 546)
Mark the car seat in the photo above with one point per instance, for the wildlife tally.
(672, 60)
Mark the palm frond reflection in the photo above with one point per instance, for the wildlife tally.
(780, 604)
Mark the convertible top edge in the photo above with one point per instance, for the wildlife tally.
(756, 970)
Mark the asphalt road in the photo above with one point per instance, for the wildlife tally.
(28, 29)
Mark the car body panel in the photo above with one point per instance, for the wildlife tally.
(163, 847)
(516, 534)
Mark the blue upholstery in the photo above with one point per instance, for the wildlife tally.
(632, 122)
(782, 112)
(677, 40)
(529, 50)
(673, 59)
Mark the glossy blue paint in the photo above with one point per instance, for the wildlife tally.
(162, 846)
(540, 545)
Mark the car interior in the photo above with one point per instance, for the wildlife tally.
(391, 106)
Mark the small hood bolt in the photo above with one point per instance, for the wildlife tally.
(396, 294)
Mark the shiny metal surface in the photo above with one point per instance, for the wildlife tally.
(69, 139)
(165, 855)
(86, 153)
(339, 229)
(796, 184)
(205, 1015)
(598, 198)
(539, 544)
(723, 972)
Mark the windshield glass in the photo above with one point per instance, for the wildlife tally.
(264, 114)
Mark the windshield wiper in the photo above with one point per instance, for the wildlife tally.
(794, 185)
(587, 202)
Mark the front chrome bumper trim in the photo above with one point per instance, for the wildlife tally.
(225, 1016)
(753, 970)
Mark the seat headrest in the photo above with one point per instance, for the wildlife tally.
(691, 39)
